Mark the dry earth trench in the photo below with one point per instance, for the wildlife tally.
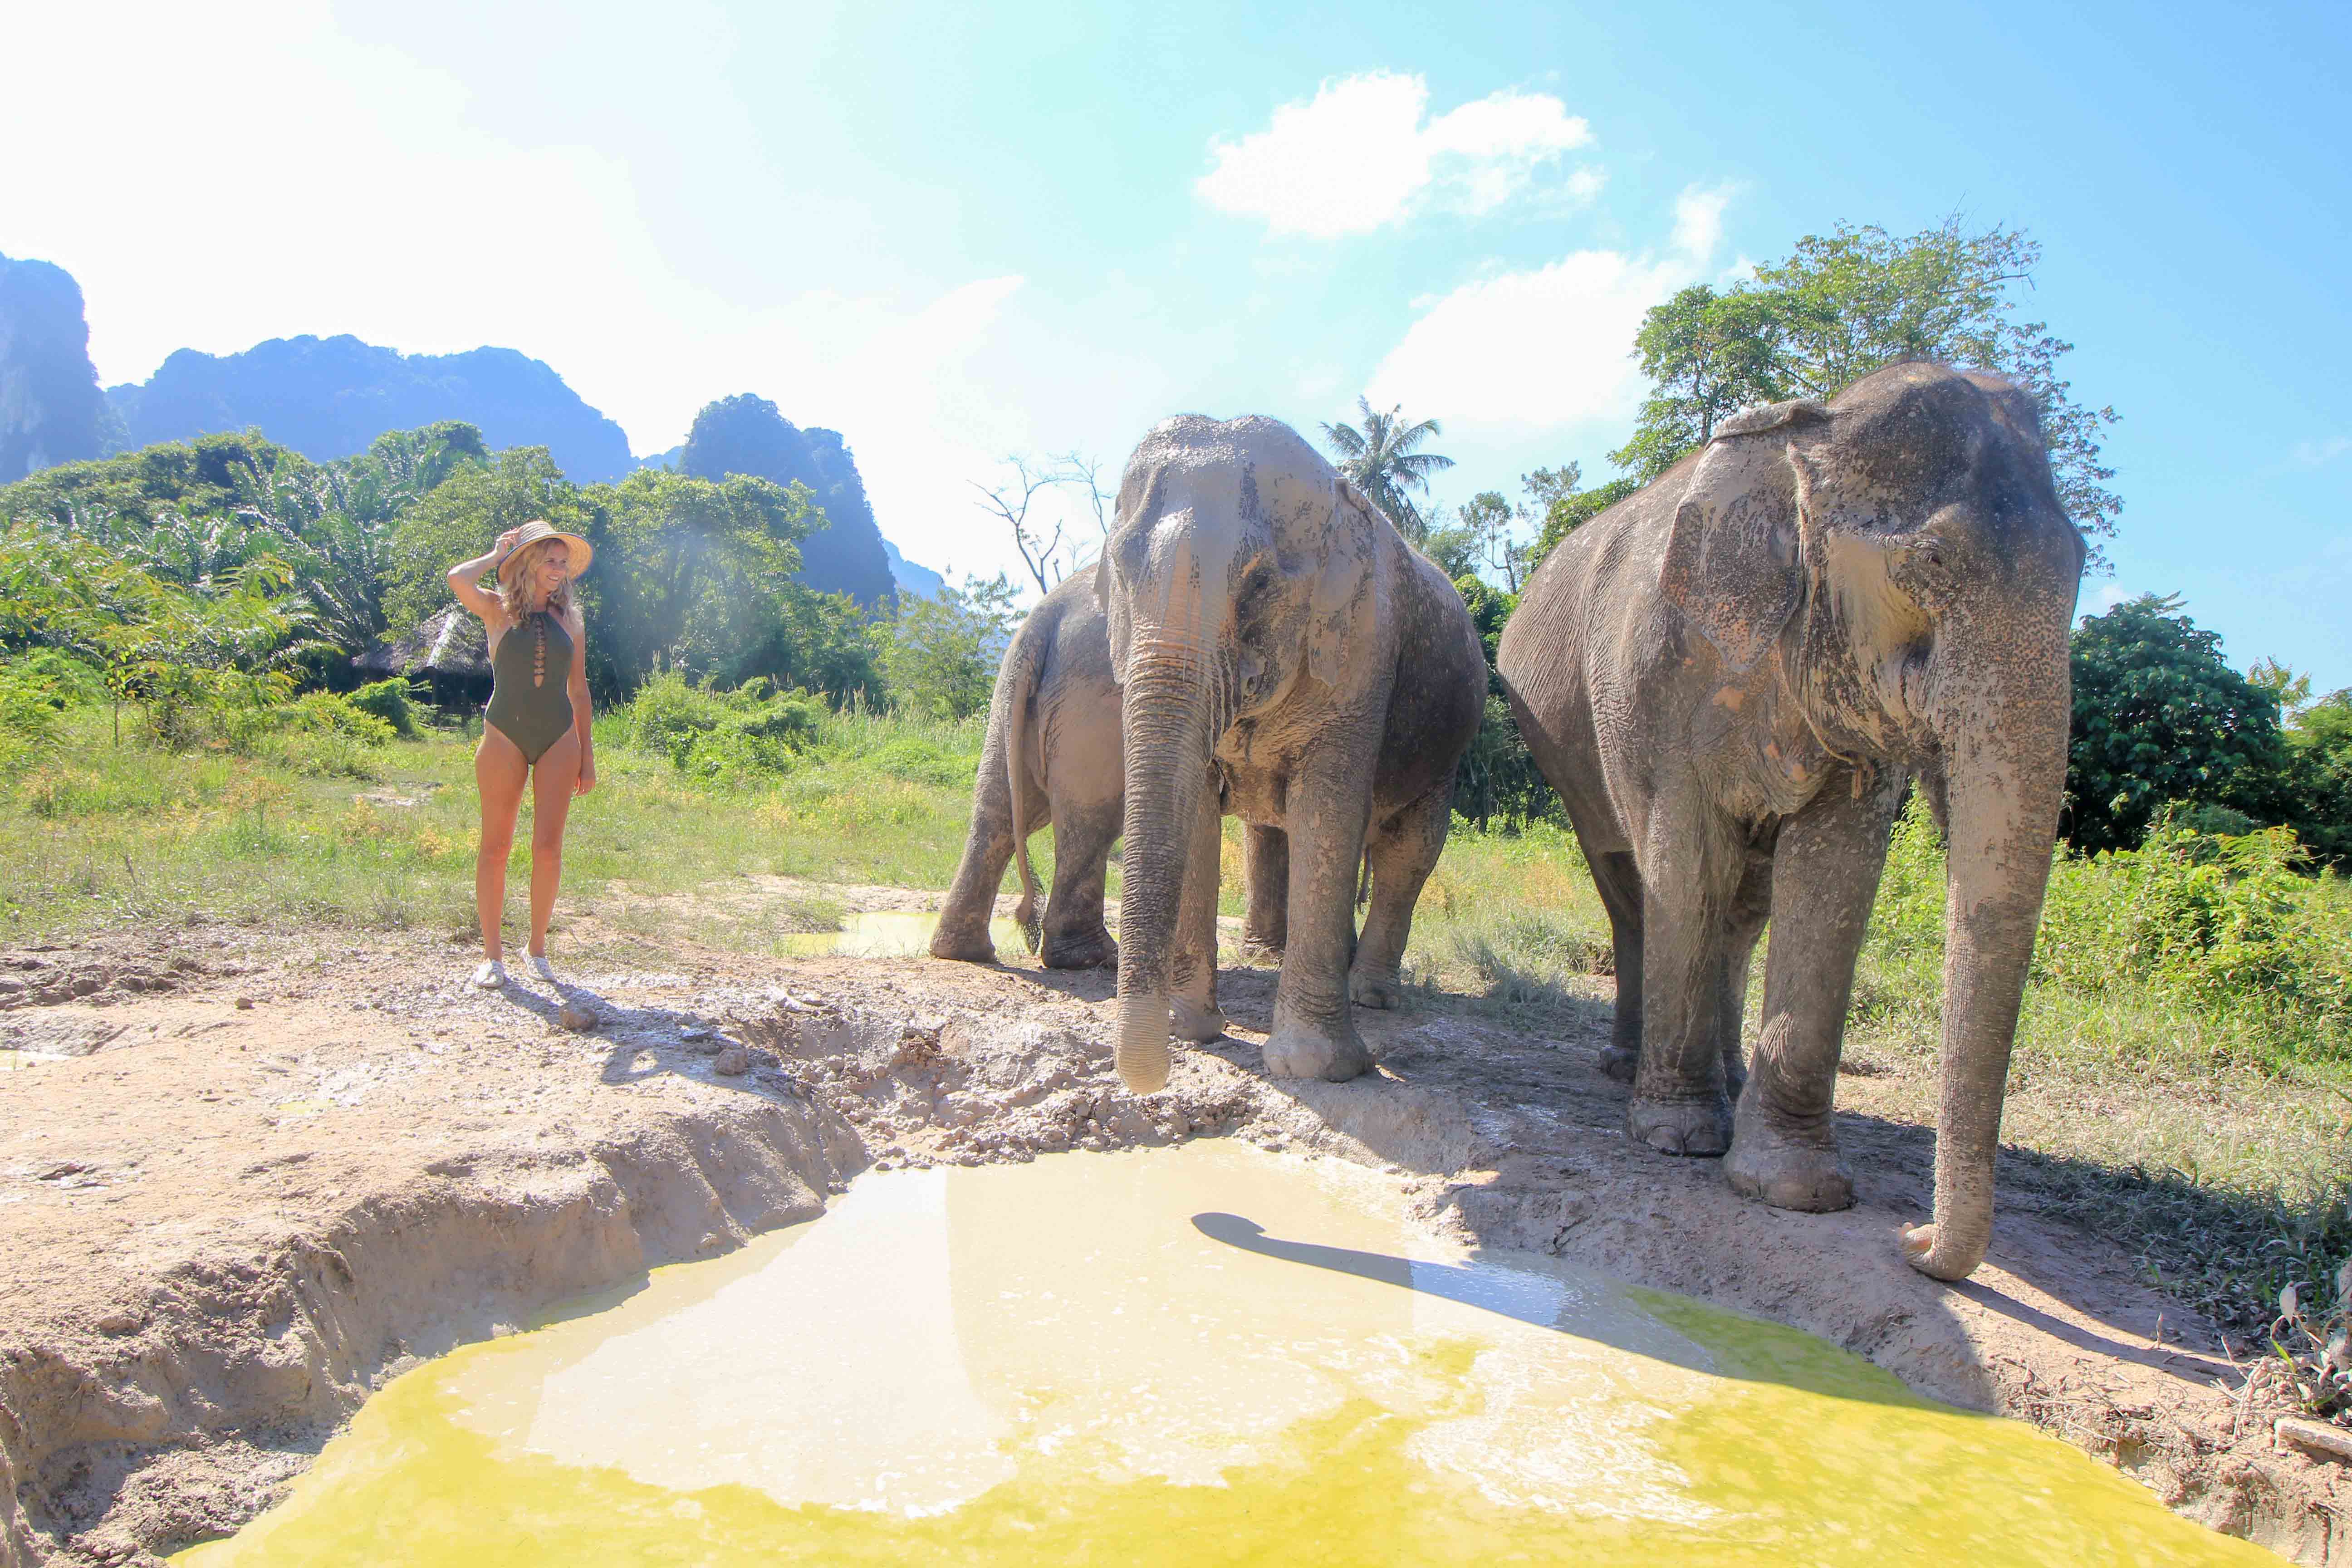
(248, 1176)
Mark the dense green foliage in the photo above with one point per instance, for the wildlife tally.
(2159, 719)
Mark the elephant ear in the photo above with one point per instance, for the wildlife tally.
(1343, 574)
(1735, 564)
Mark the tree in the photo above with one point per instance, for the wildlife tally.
(1708, 355)
(1010, 502)
(1382, 460)
(943, 652)
(1852, 301)
(463, 516)
(2160, 718)
(690, 574)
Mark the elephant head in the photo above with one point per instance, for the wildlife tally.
(1904, 553)
(1239, 566)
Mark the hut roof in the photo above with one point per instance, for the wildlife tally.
(450, 643)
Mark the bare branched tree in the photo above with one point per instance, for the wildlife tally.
(1084, 475)
(1012, 501)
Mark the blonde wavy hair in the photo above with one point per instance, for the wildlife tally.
(516, 600)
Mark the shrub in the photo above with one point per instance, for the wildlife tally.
(390, 700)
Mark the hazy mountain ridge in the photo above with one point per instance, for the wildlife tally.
(912, 578)
(328, 397)
(745, 435)
(51, 410)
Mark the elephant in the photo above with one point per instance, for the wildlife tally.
(1052, 755)
(1285, 656)
(1731, 678)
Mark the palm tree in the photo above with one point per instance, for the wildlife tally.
(1379, 459)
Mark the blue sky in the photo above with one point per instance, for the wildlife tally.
(958, 232)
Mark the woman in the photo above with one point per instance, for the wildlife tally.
(536, 728)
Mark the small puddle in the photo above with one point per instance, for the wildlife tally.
(889, 933)
(1202, 1355)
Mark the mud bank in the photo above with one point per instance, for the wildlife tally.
(297, 1171)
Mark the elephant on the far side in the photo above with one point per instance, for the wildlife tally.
(1731, 678)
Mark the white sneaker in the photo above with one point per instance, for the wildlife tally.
(491, 975)
(541, 967)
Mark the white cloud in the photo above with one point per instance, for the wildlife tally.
(1360, 154)
(2312, 454)
(1548, 347)
(2109, 595)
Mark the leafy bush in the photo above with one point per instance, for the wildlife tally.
(390, 701)
(2221, 927)
(728, 737)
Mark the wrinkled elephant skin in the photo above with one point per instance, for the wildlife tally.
(1733, 675)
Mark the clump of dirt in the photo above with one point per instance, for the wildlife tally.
(309, 1163)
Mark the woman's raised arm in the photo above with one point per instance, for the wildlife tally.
(466, 579)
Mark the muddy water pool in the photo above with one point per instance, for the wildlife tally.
(1209, 1355)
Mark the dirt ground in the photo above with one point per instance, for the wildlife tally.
(246, 1176)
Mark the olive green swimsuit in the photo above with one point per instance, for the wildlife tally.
(530, 694)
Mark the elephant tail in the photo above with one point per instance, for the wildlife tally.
(1021, 687)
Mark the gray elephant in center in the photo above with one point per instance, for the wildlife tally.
(1732, 677)
(1283, 654)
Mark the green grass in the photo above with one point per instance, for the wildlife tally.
(2182, 1077)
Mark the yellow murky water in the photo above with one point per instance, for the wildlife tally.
(889, 933)
(1201, 1356)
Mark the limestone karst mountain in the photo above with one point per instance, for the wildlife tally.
(745, 435)
(328, 397)
(50, 408)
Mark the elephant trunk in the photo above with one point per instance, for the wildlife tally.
(2004, 749)
(1167, 704)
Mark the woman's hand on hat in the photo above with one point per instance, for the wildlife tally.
(507, 542)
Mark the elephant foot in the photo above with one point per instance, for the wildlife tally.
(1370, 988)
(1789, 1171)
(1695, 1127)
(1188, 1020)
(963, 945)
(1093, 949)
(1618, 1062)
(1294, 1050)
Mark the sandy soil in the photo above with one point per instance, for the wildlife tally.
(244, 1178)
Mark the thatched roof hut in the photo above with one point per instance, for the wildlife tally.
(450, 651)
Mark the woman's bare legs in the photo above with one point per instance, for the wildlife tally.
(499, 773)
(552, 784)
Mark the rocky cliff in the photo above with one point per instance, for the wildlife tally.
(50, 408)
(328, 397)
(745, 435)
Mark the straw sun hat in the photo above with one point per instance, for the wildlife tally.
(532, 533)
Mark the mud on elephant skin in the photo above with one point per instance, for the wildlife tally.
(1732, 677)
(1283, 655)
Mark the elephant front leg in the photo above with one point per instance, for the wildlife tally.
(1194, 1015)
(1825, 877)
(1265, 862)
(1403, 855)
(1314, 1031)
(1689, 881)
